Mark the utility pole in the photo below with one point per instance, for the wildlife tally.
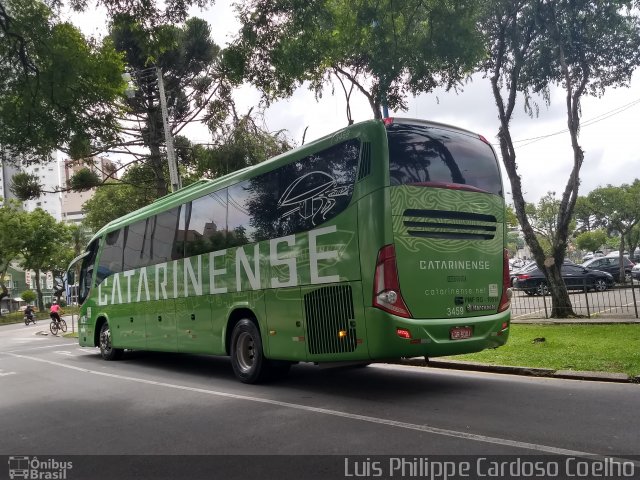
(176, 184)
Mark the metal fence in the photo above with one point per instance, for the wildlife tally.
(619, 302)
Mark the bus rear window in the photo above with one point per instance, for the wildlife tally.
(430, 155)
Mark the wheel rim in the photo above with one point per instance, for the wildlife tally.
(542, 289)
(54, 328)
(627, 278)
(245, 351)
(105, 340)
(63, 324)
(601, 286)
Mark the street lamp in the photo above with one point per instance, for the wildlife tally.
(174, 178)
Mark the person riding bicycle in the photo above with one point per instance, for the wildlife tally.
(28, 312)
(54, 311)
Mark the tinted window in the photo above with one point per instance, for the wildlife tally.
(207, 224)
(163, 235)
(137, 248)
(111, 257)
(317, 188)
(86, 272)
(428, 154)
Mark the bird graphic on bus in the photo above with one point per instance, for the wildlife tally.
(311, 196)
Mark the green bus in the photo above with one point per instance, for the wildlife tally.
(382, 240)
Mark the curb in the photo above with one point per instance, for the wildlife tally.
(524, 371)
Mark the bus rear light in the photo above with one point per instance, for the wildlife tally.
(403, 333)
(386, 286)
(505, 300)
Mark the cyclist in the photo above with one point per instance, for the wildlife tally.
(28, 312)
(54, 312)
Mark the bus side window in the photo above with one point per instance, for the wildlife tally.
(318, 187)
(111, 257)
(207, 224)
(163, 235)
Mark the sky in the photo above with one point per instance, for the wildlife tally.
(609, 134)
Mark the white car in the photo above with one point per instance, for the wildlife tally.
(4, 311)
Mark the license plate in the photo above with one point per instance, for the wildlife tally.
(459, 333)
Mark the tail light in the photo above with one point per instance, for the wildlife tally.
(386, 286)
(505, 300)
(523, 276)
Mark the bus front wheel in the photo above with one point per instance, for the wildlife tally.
(106, 349)
(247, 358)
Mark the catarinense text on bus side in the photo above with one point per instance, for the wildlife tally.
(210, 273)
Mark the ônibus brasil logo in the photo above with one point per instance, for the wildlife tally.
(36, 469)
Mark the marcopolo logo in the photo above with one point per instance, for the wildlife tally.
(38, 469)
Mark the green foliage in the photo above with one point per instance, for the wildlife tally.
(386, 49)
(117, 198)
(618, 208)
(188, 58)
(237, 146)
(591, 241)
(25, 186)
(511, 218)
(28, 296)
(84, 179)
(54, 84)
(12, 233)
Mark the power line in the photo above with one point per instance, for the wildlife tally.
(586, 123)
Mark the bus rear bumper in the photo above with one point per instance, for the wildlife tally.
(404, 337)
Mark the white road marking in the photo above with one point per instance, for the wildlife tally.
(4, 374)
(352, 416)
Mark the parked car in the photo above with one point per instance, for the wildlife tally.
(576, 277)
(590, 255)
(611, 265)
(635, 271)
(4, 311)
(514, 273)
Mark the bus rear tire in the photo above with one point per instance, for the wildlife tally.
(106, 349)
(247, 356)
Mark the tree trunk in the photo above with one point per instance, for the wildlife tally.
(39, 291)
(561, 306)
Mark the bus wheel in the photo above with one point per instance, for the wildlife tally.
(247, 358)
(106, 350)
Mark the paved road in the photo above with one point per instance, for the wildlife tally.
(59, 399)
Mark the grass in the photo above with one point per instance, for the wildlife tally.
(602, 348)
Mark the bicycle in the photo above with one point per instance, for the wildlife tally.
(56, 325)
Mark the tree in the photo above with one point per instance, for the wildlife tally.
(12, 231)
(618, 208)
(238, 145)
(117, 198)
(592, 240)
(385, 49)
(28, 296)
(56, 87)
(42, 243)
(195, 88)
(582, 46)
